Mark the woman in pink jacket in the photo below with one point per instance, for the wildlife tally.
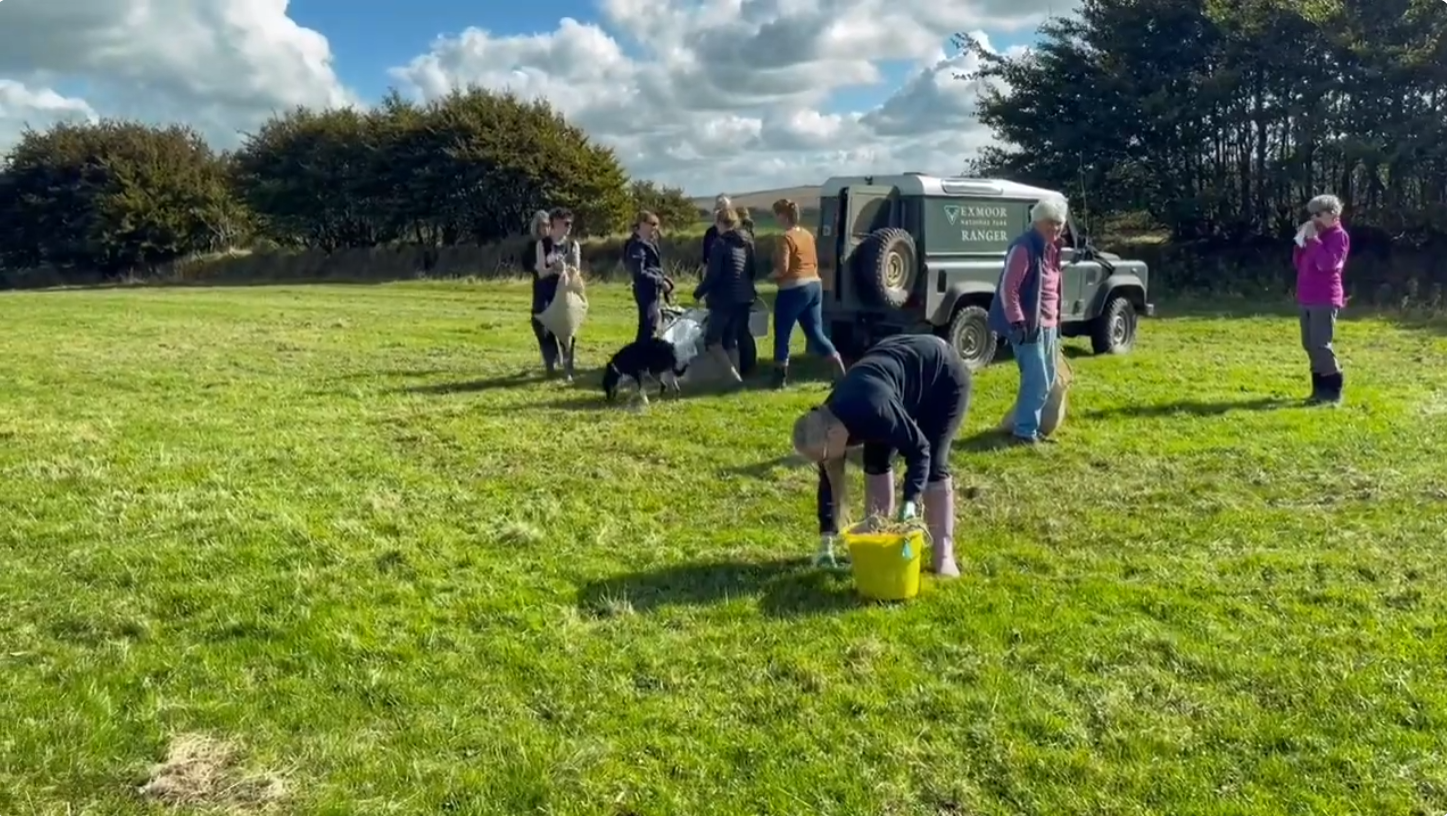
(1319, 258)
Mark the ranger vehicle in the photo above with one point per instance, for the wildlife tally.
(915, 253)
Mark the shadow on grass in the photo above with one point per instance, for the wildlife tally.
(474, 386)
(395, 374)
(761, 470)
(784, 589)
(1199, 408)
(990, 439)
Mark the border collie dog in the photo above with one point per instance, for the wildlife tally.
(638, 361)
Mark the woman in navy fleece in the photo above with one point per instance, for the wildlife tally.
(908, 395)
(645, 266)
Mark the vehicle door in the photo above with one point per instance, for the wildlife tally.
(1079, 280)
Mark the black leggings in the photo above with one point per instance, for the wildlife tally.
(544, 291)
(726, 325)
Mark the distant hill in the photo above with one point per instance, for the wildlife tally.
(762, 200)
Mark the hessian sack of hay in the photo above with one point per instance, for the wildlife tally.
(565, 315)
(1054, 411)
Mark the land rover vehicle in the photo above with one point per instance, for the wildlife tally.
(912, 253)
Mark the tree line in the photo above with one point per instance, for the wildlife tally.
(123, 197)
(1218, 120)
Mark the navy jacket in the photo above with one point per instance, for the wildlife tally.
(645, 264)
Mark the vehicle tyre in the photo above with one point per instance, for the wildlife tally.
(1114, 331)
(971, 338)
(886, 265)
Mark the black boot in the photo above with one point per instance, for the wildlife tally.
(781, 376)
(1318, 390)
(1331, 389)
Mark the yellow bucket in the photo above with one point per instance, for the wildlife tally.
(886, 565)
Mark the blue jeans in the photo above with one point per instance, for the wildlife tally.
(803, 305)
(1036, 361)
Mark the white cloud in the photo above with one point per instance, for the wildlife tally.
(707, 94)
(39, 108)
(736, 94)
(221, 65)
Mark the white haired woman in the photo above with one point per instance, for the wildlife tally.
(721, 206)
(1026, 311)
(908, 396)
(1320, 259)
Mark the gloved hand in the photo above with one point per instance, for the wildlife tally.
(1017, 333)
(825, 556)
(908, 512)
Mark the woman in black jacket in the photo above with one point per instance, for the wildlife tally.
(728, 289)
(907, 396)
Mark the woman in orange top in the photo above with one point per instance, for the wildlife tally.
(801, 294)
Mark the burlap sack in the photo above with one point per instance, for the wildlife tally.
(1053, 414)
(569, 308)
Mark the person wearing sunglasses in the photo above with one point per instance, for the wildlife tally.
(1320, 258)
(645, 266)
(551, 252)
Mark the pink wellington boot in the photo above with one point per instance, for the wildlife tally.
(879, 494)
(939, 514)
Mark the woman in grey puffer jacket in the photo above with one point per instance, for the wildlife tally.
(728, 290)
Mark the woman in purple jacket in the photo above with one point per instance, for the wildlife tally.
(1319, 258)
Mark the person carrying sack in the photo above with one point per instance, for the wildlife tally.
(551, 252)
(1026, 311)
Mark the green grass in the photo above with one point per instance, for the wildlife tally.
(331, 526)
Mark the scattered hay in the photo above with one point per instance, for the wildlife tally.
(518, 534)
(612, 606)
(202, 772)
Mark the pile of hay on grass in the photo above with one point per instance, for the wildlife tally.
(203, 772)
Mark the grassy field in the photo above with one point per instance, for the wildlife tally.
(343, 533)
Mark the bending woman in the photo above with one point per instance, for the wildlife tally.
(801, 295)
(908, 395)
(551, 251)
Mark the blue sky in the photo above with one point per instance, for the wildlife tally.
(367, 39)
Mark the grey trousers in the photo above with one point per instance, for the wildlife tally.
(1318, 328)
